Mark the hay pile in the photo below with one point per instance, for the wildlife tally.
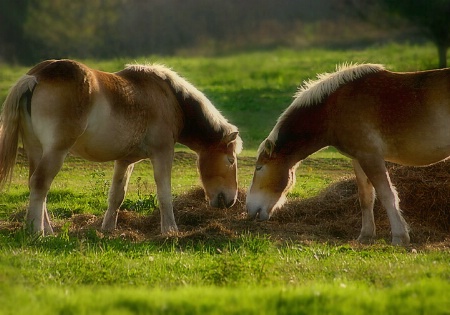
(335, 213)
(332, 216)
(425, 194)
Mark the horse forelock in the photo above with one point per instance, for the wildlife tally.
(188, 91)
(239, 145)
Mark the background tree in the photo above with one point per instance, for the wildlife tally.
(13, 46)
(431, 16)
(60, 28)
(32, 30)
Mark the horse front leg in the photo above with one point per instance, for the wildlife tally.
(40, 181)
(366, 194)
(162, 167)
(376, 171)
(117, 192)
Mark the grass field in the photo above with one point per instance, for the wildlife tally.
(248, 271)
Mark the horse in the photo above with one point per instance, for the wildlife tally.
(369, 114)
(141, 112)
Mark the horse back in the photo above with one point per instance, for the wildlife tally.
(127, 92)
(98, 115)
(136, 95)
(402, 116)
(70, 81)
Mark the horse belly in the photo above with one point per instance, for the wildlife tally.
(422, 146)
(421, 155)
(99, 146)
(422, 142)
(105, 138)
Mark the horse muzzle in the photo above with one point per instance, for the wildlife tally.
(256, 208)
(222, 201)
(258, 213)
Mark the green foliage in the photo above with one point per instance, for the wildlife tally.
(145, 201)
(37, 29)
(430, 16)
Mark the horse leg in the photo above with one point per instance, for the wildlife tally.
(366, 194)
(34, 154)
(162, 166)
(377, 173)
(40, 180)
(121, 177)
(33, 149)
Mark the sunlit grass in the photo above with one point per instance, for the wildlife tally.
(247, 274)
(417, 298)
(94, 275)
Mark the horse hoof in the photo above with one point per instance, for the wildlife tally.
(108, 227)
(365, 239)
(49, 232)
(169, 231)
(400, 240)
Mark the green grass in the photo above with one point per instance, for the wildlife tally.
(417, 298)
(250, 274)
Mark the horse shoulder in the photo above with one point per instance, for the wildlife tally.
(142, 100)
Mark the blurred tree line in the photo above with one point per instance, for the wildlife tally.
(37, 29)
(431, 18)
(32, 30)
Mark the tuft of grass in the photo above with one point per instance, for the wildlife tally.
(146, 202)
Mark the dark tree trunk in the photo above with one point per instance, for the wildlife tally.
(442, 51)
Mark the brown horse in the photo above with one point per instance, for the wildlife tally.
(370, 115)
(62, 106)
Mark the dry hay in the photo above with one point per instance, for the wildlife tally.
(332, 216)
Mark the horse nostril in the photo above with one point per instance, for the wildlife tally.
(253, 215)
(221, 201)
(230, 203)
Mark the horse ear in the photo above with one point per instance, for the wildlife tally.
(269, 147)
(230, 137)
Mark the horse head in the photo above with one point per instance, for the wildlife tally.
(273, 177)
(217, 165)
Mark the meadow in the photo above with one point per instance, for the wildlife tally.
(247, 270)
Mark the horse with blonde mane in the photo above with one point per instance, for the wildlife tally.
(370, 115)
(63, 106)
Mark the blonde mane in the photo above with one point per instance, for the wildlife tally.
(187, 90)
(312, 92)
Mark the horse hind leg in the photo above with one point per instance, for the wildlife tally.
(366, 194)
(121, 177)
(40, 181)
(34, 153)
(377, 173)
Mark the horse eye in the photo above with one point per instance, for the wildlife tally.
(231, 159)
(258, 167)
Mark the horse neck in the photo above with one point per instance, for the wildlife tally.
(303, 132)
(199, 138)
(199, 130)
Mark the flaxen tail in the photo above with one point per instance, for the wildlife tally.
(10, 125)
